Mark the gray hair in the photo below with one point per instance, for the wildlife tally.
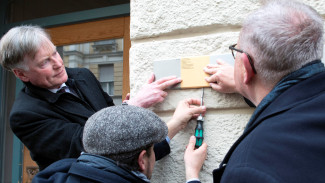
(282, 36)
(19, 42)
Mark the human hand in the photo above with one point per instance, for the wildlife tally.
(153, 92)
(222, 77)
(185, 110)
(127, 97)
(194, 158)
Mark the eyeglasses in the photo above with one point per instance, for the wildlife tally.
(232, 48)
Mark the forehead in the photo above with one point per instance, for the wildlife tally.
(46, 48)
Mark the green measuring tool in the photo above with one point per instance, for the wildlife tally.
(199, 126)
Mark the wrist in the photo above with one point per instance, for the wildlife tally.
(193, 180)
(191, 174)
(133, 102)
(173, 128)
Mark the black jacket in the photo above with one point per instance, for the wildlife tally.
(286, 142)
(87, 169)
(51, 125)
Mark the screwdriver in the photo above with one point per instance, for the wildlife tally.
(199, 126)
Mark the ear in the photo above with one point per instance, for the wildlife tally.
(142, 160)
(21, 74)
(248, 70)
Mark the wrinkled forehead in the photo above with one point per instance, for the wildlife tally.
(45, 47)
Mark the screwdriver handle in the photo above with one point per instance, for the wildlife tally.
(199, 133)
(199, 126)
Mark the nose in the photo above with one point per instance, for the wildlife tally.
(57, 62)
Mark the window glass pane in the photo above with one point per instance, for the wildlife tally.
(103, 58)
(108, 87)
(30, 9)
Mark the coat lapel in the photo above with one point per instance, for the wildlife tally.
(89, 90)
(294, 96)
(68, 106)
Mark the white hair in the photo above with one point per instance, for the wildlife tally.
(282, 36)
(19, 42)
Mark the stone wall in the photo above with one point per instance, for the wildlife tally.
(165, 29)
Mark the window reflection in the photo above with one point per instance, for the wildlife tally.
(103, 58)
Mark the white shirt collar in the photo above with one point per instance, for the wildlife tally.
(56, 89)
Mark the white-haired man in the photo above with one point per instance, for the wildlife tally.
(50, 122)
(278, 68)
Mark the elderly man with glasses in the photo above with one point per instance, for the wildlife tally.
(278, 68)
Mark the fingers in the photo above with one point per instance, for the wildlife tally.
(160, 95)
(164, 94)
(221, 62)
(211, 66)
(159, 92)
(191, 146)
(193, 107)
(191, 143)
(127, 97)
(212, 79)
(203, 148)
(164, 79)
(215, 86)
(192, 101)
(160, 99)
(210, 69)
(167, 82)
(198, 110)
(195, 116)
(151, 79)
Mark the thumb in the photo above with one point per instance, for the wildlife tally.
(203, 147)
(202, 150)
(151, 79)
(191, 143)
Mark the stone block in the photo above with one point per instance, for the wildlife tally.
(157, 18)
(221, 129)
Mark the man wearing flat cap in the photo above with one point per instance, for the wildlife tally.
(118, 143)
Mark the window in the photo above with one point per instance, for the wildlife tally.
(108, 87)
(104, 58)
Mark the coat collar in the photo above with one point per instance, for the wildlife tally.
(69, 106)
(307, 71)
(308, 88)
(74, 78)
(109, 166)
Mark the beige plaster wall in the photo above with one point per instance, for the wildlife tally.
(168, 29)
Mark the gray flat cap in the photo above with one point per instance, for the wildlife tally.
(122, 130)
